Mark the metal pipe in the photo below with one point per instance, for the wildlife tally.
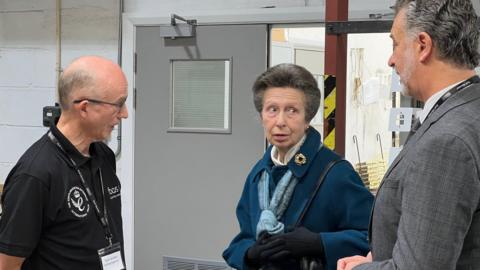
(119, 61)
(355, 141)
(58, 64)
(23, 11)
(379, 139)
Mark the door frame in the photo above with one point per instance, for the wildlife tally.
(126, 163)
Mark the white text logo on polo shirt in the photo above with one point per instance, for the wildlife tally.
(77, 202)
(113, 192)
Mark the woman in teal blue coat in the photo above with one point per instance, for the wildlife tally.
(280, 184)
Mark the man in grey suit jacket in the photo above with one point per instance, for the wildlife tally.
(426, 213)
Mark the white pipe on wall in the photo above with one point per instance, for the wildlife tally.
(58, 36)
(119, 61)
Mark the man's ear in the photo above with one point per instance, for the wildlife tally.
(82, 108)
(425, 46)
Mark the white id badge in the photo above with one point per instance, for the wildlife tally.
(111, 257)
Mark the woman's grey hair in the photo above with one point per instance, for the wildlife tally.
(72, 81)
(452, 25)
(288, 75)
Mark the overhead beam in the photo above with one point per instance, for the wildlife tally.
(358, 27)
(361, 27)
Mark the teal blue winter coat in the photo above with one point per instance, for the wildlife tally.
(340, 211)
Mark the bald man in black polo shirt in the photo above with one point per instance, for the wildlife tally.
(61, 201)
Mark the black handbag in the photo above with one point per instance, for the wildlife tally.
(312, 263)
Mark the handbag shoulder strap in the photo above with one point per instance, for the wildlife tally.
(315, 191)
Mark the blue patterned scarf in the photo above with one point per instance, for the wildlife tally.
(273, 209)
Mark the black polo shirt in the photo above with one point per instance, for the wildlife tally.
(47, 217)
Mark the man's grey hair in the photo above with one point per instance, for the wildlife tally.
(73, 81)
(452, 25)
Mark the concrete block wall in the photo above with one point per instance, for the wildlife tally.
(27, 65)
(28, 61)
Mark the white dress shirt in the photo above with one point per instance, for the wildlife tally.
(431, 101)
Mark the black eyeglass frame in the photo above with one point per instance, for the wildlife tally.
(119, 105)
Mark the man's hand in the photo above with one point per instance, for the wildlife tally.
(10, 262)
(348, 263)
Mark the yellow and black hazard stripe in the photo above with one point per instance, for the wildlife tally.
(330, 89)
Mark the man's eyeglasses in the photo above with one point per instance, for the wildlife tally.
(119, 104)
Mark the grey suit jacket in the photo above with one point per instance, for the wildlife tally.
(426, 213)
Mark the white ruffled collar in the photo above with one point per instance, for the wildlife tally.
(288, 156)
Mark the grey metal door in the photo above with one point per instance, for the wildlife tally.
(187, 184)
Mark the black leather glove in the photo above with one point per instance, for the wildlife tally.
(258, 254)
(300, 242)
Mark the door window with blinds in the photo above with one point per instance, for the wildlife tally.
(200, 96)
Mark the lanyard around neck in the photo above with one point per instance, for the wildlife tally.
(453, 91)
(103, 217)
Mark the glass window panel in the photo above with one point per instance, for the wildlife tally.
(304, 46)
(200, 96)
(368, 105)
